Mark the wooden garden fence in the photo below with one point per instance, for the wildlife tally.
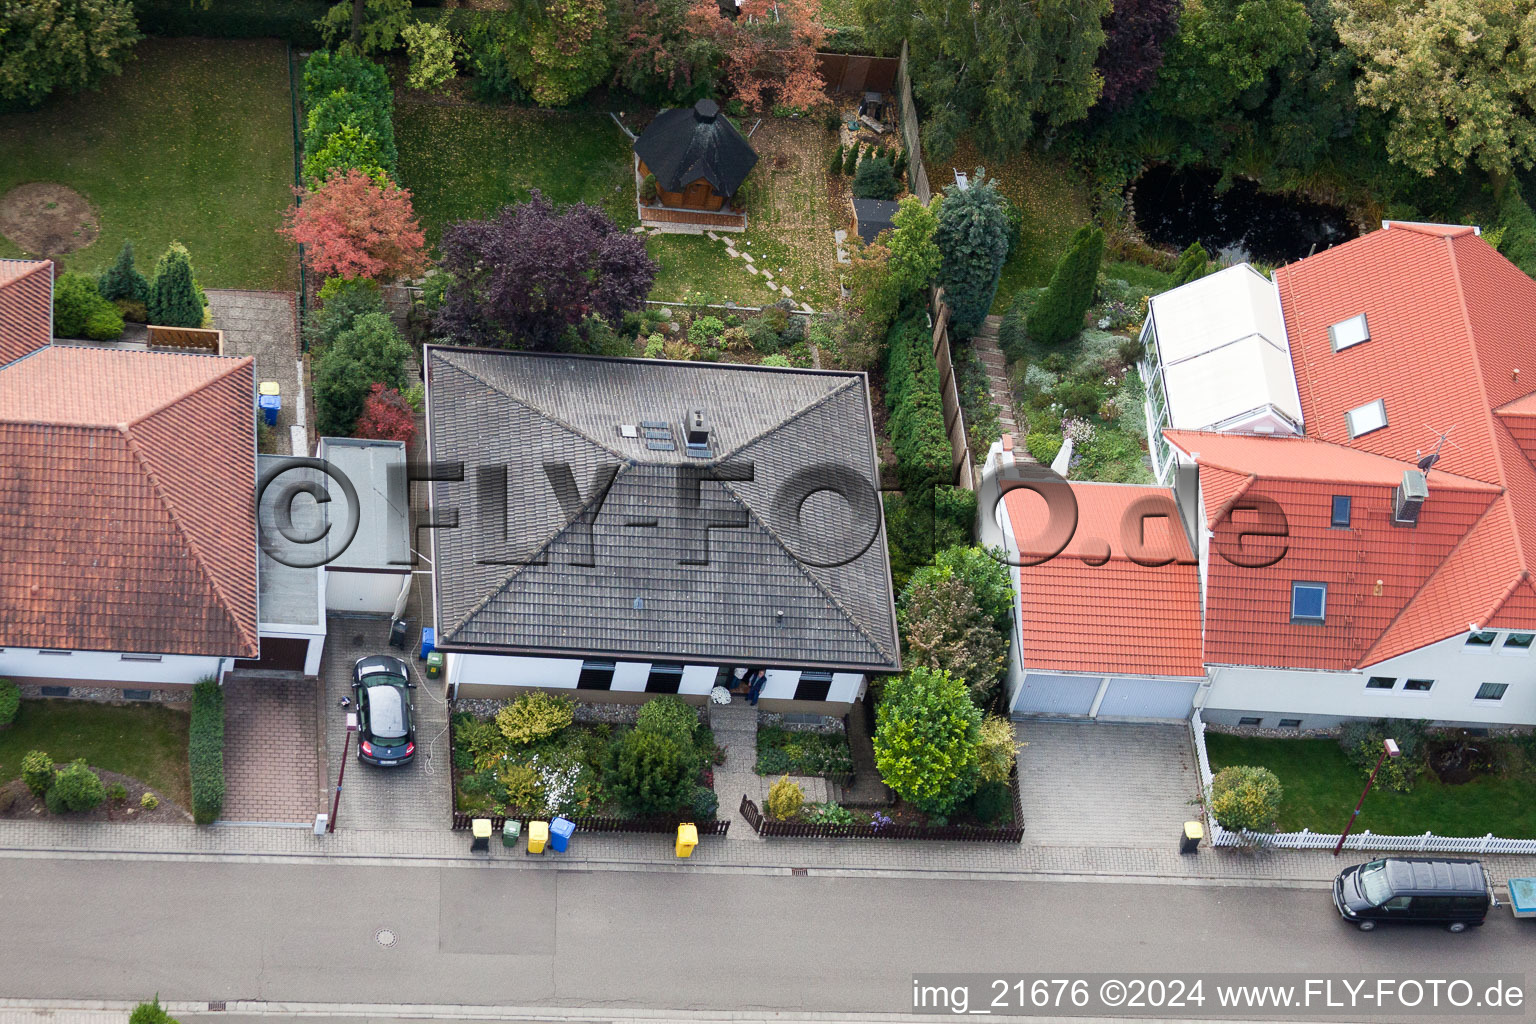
(187, 339)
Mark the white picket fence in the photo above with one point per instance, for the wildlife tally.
(1366, 840)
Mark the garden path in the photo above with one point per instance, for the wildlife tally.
(735, 726)
(984, 343)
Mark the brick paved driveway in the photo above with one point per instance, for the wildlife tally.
(414, 796)
(271, 772)
(1098, 784)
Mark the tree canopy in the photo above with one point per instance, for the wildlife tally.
(62, 44)
(972, 237)
(525, 277)
(1008, 67)
(1457, 79)
(1135, 33)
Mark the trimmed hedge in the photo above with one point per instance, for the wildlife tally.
(205, 751)
(10, 701)
(293, 20)
(923, 453)
(344, 90)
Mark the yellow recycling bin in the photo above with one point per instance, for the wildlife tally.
(538, 835)
(480, 831)
(687, 839)
(1189, 842)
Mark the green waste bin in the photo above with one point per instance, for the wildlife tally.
(510, 832)
(435, 665)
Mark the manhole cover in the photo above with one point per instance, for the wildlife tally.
(384, 937)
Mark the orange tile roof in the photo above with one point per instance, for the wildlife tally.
(26, 307)
(137, 530)
(1449, 324)
(1092, 608)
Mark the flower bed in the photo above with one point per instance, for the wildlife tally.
(799, 752)
(900, 823)
(1087, 389)
(533, 761)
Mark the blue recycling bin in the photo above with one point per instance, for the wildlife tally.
(428, 642)
(269, 405)
(560, 831)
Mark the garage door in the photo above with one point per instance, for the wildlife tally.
(278, 654)
(1148, 698)
(1046, 694)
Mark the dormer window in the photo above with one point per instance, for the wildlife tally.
(1366, 418)
(1349, 332)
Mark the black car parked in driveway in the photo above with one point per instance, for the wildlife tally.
(386, 728)
(1414, 890)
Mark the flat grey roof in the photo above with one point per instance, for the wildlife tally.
(285, 595)
(377, 471)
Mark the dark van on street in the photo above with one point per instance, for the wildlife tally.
(1414, 890)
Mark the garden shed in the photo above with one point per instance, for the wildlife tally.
(697, 155)
(872, 216)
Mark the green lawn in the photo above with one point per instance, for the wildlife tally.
(1139, 276)
(193, 142)
(1321, 788)
(1051, 192)
(694, 268)
(467, 161)
(146, 741)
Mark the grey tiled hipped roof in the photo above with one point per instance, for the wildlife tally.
(638, 573)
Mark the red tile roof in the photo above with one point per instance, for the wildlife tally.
(1248, 619)
(1450, 324)
(1093, 609)
(26, 307)
(136, 531)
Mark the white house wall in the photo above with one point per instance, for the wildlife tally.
(495, 670)
(1322, 698)
(26, 665)
(362, 592)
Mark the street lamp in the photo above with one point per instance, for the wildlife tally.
(1389, 748)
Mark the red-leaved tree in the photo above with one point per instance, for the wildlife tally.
(1134, 34)
(528, 276)
(770, 49)
(353, 227)
(387, 416)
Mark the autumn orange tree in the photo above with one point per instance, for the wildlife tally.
(769, 49)
(353, 226)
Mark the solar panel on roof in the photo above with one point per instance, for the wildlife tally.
(661, 446)
(698, 451)
(655, 424)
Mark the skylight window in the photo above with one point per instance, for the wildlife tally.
(1349, 332)
(1366, 418)
(1309, 602)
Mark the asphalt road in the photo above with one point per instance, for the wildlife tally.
(741, 942)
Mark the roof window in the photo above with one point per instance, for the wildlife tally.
(1349, 332)
(1366, 418)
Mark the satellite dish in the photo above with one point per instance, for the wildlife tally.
(1427, 461)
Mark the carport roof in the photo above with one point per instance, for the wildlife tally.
(1095, 608)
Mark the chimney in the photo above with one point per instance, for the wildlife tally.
(1409, 498)
(696, 428)
(705, 111)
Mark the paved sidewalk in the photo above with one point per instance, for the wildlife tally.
(743, 850)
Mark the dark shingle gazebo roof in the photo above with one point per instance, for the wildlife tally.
(688, 143)
(628, 575)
